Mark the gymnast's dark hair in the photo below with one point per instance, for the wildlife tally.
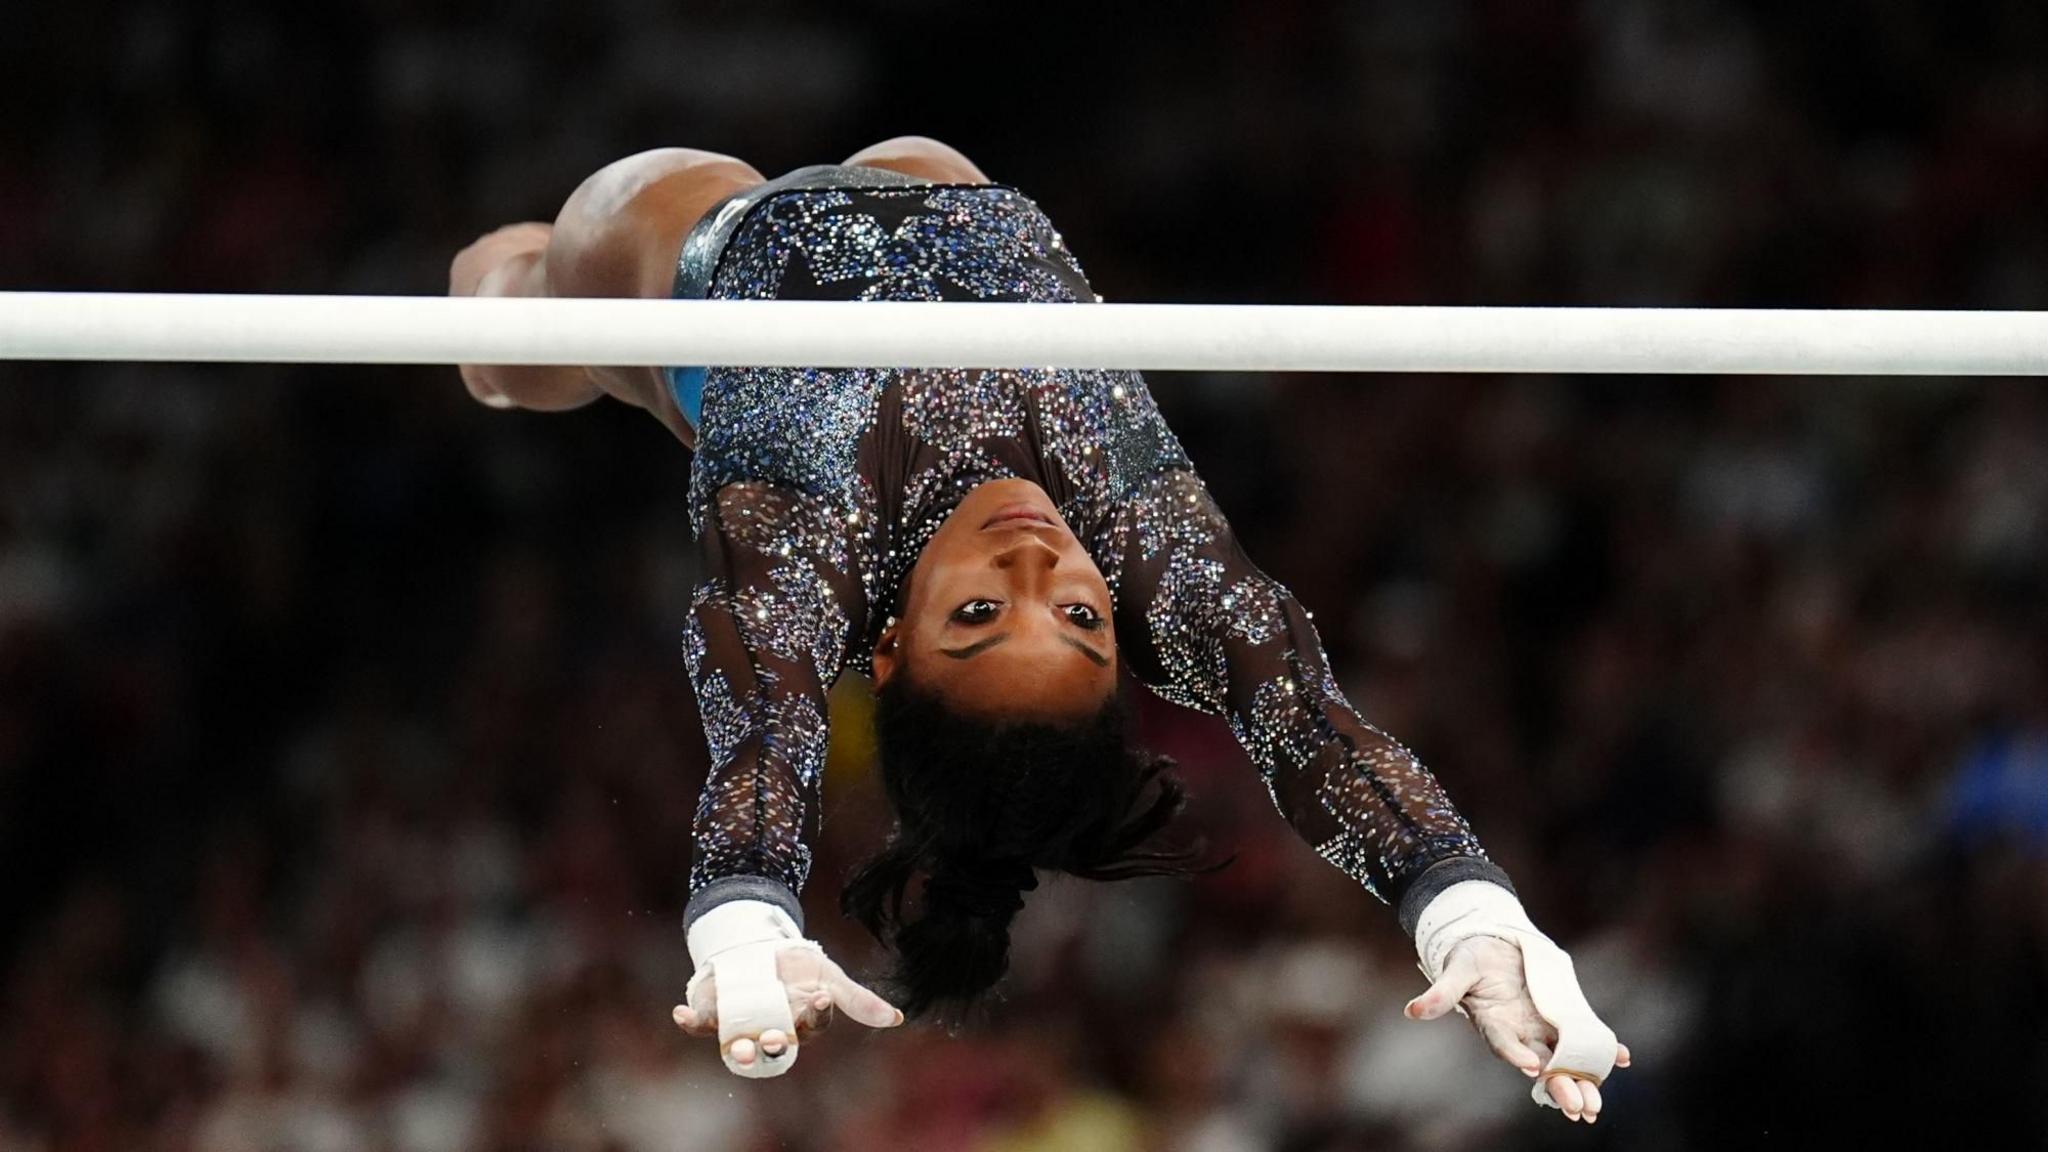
(980, 806)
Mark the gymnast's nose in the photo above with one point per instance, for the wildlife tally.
(1028, 553)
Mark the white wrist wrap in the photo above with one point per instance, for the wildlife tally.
(1585, 1046)
(738, 942)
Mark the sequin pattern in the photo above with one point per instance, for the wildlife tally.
(1244, 646)
(953, 411)
(814, 491)
(915, 243)
(1185, 622)
(792, 428)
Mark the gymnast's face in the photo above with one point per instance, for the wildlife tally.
(1006, 614)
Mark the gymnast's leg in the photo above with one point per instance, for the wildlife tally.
(618, 236)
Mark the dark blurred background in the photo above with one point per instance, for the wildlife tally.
(346, 753)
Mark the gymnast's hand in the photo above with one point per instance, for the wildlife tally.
(763, 989)
(1519, 991)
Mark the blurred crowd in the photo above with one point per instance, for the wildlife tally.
(346, 754)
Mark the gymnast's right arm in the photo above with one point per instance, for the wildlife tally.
(766, 636)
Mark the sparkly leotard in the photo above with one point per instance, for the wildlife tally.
(814, 490)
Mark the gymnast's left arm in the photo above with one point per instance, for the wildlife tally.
(1204, 627)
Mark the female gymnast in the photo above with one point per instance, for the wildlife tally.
(995, 548)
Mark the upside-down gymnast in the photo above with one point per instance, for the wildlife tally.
(995, 547)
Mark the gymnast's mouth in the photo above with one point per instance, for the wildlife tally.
(1019, 514)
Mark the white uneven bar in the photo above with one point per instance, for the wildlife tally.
(441, 330)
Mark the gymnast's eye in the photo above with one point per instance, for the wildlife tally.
(1084, 616)
(976, 612)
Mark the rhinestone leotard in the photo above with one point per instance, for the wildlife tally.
(813, 491)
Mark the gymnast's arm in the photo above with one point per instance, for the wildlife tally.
(1217, 634)
(766, 636)
(1201, 624)
(764, 640)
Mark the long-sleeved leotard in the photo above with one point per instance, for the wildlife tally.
(813, 492)
(1207, 629)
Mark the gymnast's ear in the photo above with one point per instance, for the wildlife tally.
(888, 653)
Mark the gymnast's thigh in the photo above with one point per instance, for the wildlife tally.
(620, 233)
(921, 157)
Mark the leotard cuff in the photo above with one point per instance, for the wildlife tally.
(730, 888)
(1439, 876)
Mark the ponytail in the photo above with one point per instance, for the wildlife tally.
(980, 807)
(960, 946)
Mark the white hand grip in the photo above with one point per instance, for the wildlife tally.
(1586, 1047)
(751, 1001)
(736, 945)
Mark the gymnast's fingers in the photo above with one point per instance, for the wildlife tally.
(860, 1004)
(1501, 1037)
(1590, 1093)
(1458, 977)
(1565, 1091)
(815, 1016)
(693, 1024)
(697, 1015)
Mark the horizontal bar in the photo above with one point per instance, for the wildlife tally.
(1233, 337)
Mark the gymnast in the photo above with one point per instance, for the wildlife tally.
(995, 548)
